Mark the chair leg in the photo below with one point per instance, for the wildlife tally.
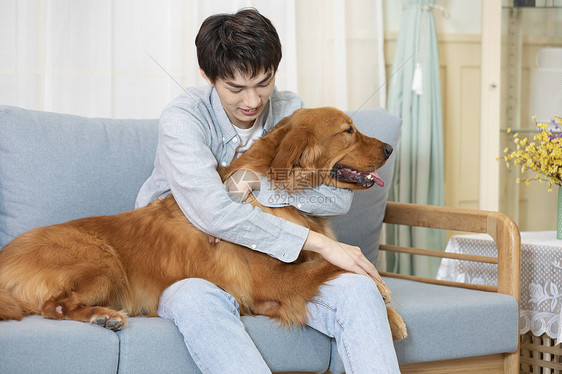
(511, 362)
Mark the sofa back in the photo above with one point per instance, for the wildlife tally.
(58, 167)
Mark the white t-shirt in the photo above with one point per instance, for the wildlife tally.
(247, 136)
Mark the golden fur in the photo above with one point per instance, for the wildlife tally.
(101, 269)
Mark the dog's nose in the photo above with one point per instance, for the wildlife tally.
(387, 150)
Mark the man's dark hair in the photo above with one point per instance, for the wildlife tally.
(244, 42)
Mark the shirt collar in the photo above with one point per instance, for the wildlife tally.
(226, 127)
(268, 118)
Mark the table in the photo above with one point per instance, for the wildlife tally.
(541, 276)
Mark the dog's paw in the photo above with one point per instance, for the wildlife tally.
(385, 292)
(111, 320)
(397, 325)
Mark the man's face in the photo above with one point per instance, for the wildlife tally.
(244, 98)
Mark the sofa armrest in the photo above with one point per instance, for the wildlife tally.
(500, 227)
(505, 234)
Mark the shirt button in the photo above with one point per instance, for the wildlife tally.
(223, 164)
(299, 206)
(253, 246)
(235, 140)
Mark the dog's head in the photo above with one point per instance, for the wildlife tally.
(323, 146)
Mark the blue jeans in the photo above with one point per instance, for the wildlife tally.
(348, 309)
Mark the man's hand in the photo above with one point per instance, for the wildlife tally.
(345, 256)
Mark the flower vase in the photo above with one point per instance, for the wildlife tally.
(559, 215)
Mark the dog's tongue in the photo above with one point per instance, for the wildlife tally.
(378, 180)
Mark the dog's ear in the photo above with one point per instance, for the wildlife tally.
(298, 148)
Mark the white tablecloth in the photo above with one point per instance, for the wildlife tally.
(541, 276)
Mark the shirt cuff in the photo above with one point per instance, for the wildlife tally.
(289, 237)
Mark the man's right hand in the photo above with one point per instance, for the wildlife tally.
(342, 255)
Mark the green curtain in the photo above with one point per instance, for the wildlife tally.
(414, 95)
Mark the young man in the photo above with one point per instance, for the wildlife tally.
(238, 56)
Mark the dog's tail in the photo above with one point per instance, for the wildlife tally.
(10, 307)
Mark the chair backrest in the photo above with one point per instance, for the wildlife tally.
(58, 167)
(361, 226)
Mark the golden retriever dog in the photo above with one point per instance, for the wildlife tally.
(101, 269)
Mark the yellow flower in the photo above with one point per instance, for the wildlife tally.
(543, 155)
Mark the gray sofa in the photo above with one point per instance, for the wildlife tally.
(57, 167)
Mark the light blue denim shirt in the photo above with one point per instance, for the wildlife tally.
(195, 137)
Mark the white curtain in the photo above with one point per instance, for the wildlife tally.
(88, 57)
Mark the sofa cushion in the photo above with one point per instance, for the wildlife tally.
(57, 167)
(443, 323)
(447, 322)
(38, 345)
(154, 345)
(362, 225)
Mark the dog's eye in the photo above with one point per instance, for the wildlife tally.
(350, 130)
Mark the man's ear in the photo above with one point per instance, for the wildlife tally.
(206, 77)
